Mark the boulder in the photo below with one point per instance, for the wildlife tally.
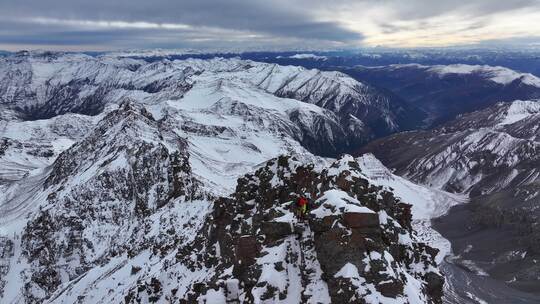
(276, 230)
(361, 220)
(390, 289)
(324, 224)
(247, 250)
(435, 285)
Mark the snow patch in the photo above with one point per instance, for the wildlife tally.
(336, 202)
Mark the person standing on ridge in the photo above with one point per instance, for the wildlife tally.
(302, 207)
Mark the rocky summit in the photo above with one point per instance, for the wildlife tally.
(355, 246)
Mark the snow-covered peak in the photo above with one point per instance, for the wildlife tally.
(520, 110)
(498, 74)
(291, 81)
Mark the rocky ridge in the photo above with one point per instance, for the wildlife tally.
(101, 196)
(356, 246)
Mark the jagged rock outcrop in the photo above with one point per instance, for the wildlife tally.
(6, 253)
(102, 194)
(356, 245)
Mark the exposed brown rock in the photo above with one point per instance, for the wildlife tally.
(361, 220)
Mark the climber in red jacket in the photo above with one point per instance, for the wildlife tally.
(301, 205)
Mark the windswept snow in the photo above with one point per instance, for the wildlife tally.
(348, 271)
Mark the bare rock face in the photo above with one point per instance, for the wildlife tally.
(125, 171)
(356, 245)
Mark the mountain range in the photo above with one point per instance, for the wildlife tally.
(125, 179)
(445, 91)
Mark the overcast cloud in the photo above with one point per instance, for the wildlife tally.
(109, 24)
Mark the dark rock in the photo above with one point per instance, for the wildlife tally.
(247, 250)
(435, 286)
(361, 220)
(276, 230)
(390, 289)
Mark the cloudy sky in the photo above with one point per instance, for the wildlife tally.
(133, 24)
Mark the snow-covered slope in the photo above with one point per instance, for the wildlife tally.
(29, 145)
(427, 203)
(480, 152)
(43, 85)
(142, 202)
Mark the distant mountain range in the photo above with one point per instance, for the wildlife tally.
(348, 112)
(445, 91)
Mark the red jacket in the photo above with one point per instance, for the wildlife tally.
(302, 201)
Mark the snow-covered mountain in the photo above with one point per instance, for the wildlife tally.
(445, 91)
(491, 155)
(29, 145)
(124, 210)
(478, 153)
(179, 192)
(497, 74)
(123, 207)
(44, 85)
